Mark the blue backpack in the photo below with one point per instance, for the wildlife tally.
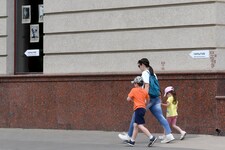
(154, 88)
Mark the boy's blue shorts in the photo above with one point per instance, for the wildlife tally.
(139, 116)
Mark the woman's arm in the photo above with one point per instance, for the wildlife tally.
(147, 87)
(147, 100)
(165, 104)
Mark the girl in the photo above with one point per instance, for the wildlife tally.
(172, 114)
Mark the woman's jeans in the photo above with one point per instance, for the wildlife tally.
(155, 107)
(131, 128)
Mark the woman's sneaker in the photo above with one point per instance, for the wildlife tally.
(183, 134)
(152, 141)
(168, 138)
(124, 136)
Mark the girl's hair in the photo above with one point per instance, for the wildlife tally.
(174, 96)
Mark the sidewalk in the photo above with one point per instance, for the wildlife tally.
(38, 139)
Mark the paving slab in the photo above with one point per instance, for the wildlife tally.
(44, 139)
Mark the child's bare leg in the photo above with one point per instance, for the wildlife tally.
(173, 124)
(144, 130)
(177, 128)
(152, 138)
(135, 132)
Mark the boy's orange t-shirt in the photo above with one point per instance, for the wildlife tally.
(139, 96)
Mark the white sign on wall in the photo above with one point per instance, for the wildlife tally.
(32, 52)
(200, 54)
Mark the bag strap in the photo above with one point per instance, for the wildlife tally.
(150, 73)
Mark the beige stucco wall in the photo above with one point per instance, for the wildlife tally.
(110, 36)
(101, 36)
(10, 38)
(2, 44)
(3, 36)
(3, 8)
(83, 5)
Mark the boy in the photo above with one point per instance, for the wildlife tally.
(140, 97)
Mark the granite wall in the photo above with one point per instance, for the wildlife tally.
(98, 102)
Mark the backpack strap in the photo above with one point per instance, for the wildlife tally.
(151, 74)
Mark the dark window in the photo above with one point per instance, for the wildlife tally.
(29, 36)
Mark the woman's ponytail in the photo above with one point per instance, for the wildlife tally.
(151, 70)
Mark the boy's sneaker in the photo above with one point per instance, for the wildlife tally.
(131, 143)
(168, 138)
(183, 134)
(124, 136)
(152, 141)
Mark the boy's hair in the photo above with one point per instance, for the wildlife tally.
(138, 80)
(141, 83)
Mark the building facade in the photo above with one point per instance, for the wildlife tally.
(68, 64)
